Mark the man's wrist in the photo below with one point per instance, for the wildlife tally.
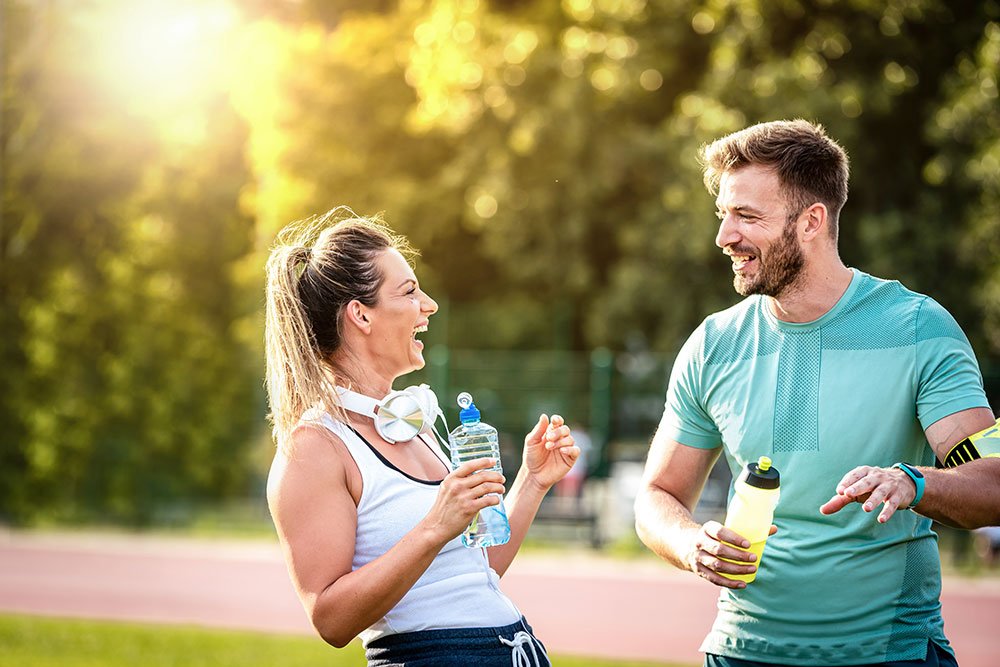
(917, 478)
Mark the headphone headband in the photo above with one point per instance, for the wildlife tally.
(358, 403)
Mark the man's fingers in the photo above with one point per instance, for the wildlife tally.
(875, 498)
(835, 504)
(870, 487)
(725, 550)
(852, 477)
(719, 542)
(723, 534)
(717, 579)
(888, 510)
(866, 484)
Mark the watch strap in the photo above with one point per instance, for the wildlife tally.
(918, 482)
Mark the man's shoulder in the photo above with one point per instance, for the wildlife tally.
(735, 316)
(736, 333)
(891, 301)
(879, 314)
(886, 292)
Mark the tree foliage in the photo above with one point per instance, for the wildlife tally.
(542, 155)
(129, 379)
(545, 157)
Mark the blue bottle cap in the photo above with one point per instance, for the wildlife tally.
(469, 413)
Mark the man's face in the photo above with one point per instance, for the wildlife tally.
(756, 233)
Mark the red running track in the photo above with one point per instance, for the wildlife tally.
(579, 604)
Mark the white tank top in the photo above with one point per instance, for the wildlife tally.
(458, 590)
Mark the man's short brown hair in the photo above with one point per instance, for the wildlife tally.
(811, 166)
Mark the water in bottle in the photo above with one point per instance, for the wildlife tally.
(751, 511)
(475, 440)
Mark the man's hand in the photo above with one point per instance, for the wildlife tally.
(710, 546)
(872, 486)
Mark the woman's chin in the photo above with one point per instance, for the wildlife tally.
(416, 363)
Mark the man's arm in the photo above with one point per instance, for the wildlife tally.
(671, 485)
(967, 496)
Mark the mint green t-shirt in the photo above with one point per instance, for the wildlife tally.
(855, 387)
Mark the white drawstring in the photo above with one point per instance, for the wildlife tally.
(518, 655)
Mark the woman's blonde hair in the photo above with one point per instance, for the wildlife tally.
(316, 267)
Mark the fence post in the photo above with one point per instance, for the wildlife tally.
(439, 357)
(601, 370)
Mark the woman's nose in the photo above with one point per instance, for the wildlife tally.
(430, 305)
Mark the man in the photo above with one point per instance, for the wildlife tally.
(835, 375)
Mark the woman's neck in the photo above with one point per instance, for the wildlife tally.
(361, 377)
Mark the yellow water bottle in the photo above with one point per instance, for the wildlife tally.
(751, 511)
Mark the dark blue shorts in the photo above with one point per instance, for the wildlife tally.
(936, 657)
(460, 647)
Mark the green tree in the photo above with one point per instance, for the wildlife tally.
(966, 132)
(135, 382)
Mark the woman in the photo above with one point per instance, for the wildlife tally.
(370, 528)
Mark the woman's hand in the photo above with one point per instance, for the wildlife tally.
(469, 488)
(549, 451)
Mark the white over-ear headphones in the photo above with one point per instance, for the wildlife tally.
(401, 415)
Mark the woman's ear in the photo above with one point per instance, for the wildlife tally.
(356, 313)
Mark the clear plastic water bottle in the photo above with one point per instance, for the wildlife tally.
(751, 510)
(476, 440)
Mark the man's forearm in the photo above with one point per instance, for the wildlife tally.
(665, 525)
(967, 496)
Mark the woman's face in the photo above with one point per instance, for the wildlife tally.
(402, 312)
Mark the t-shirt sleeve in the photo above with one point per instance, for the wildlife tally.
(685, 418)
(948, 376)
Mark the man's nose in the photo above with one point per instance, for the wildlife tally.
(727, 234)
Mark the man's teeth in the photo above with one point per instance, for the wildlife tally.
(420, 329)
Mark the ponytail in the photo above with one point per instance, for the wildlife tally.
(295, 379)
(315, 269)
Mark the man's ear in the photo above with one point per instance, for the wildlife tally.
(356, 313)
(813, 221)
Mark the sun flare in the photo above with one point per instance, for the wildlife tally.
(162, 58)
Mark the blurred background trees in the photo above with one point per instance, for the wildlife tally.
(542, 155)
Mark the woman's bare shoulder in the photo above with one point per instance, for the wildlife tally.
(309, 456)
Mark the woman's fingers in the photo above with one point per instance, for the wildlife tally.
(537, 433)
(473, 466)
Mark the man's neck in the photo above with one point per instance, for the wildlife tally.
(812, 297)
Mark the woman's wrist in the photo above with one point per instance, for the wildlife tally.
(531, 483)
(430, 537)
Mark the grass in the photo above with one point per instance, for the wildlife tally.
(51, 642)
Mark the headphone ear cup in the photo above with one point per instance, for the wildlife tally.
(400, 417)
(428, 402)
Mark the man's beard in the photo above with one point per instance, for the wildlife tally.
(777, 271)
